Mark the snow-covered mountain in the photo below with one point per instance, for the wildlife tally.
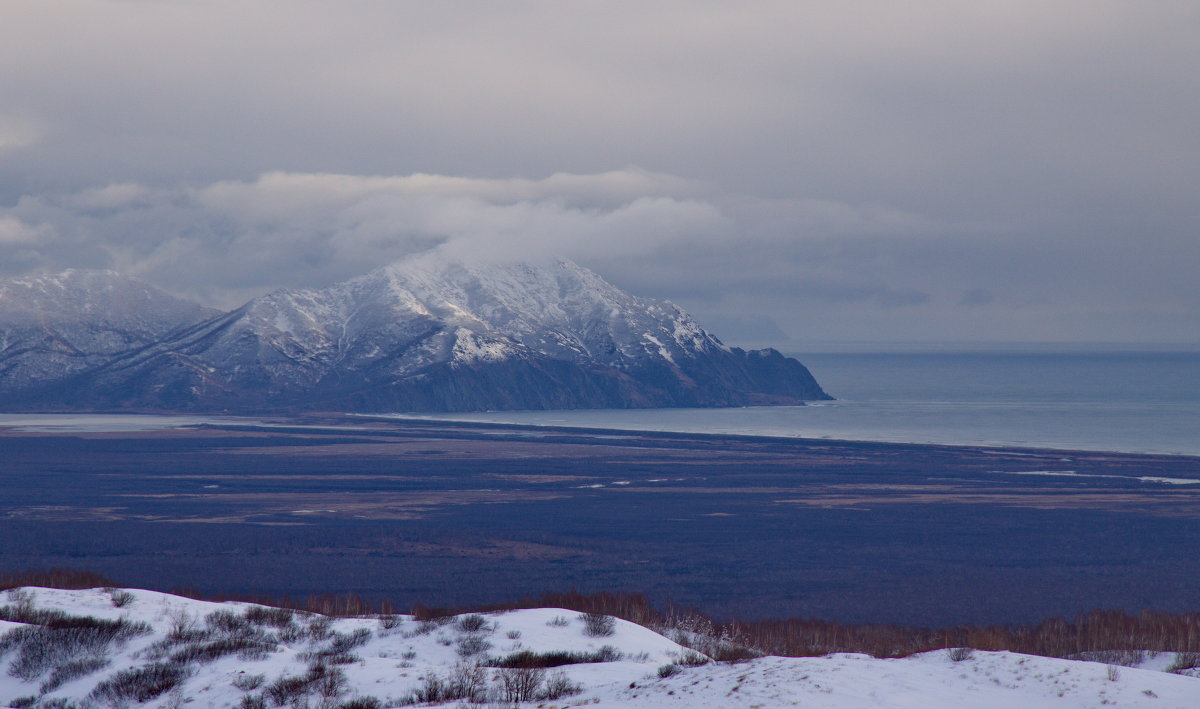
(98, 648)
(431, 334)
(54, 326)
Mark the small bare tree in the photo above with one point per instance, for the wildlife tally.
(520, 684)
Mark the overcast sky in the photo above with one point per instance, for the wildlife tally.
(790, 172)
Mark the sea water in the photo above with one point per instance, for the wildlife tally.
(1138, 402)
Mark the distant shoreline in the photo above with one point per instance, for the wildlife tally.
(114, 422)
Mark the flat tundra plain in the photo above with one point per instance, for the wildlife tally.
(452, 514)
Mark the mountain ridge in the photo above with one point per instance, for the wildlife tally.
(426, 334)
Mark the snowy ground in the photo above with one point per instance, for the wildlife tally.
(304, 660)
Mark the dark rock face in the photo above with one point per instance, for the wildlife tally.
(428, 335)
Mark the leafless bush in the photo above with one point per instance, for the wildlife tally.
(248, 682)
(1184, 661)
(253, 701)
(292, 634)
(519, 684)
(361, 703)
(558, 685)
(691, 658)
(330, 685)
(245, 648)
(140, 684)
(555, 658)
(472, 645)
(513, 634)
(558, 622)
(120, 597)
(71, 671)
(183, 627)
(598, 625)
(320, 679)
(959, 654)
(666, 671)
(285, 690)
(467, 682)
(1114, 673)
(228, 622)
(61, 640)
(389, 622)
(432, 689)
(472, 623)
(337, 650)
(319, 628)
(275, 617)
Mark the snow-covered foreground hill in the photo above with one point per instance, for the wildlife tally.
(101, 648)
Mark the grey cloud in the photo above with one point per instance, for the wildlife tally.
(976, 297)
(848, 171)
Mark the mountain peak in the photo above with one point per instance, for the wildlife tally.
(53, 326)
(426, 333)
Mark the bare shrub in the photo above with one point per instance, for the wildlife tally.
(183, 627)
(732, 652)
(959, 654)
(473, 623)
(248, 682)
(389, 622)
(555, 658)
(513, 634)
(691, 658)
(319, 628)
(558, 621)
(666, 671)
(253, 701)
(337, 650)
(330, 684)
(598, 625)
(1184, 661)
(558, 685)
(73, 670)
(141, 684)
(285, 690)
(467, 682)
(319, 679)
(227, 622)
(361, 703)
(292, 634)
(62, 640)
(519, 684)
(1114, 673)
(432, 690)
(472, 645)
(120, 597)
(245, 648)
(274, 617)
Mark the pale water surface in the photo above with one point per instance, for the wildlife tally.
(1120, 401)
(99, 423)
